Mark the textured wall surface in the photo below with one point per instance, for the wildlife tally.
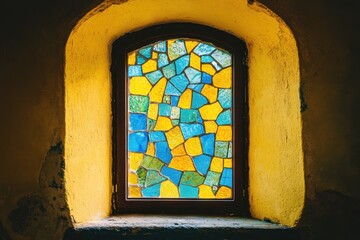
(32, 119)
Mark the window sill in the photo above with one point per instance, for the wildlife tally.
(178, 227)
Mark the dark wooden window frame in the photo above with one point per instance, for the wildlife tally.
(135, 40)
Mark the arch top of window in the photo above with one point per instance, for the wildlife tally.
(135, 44)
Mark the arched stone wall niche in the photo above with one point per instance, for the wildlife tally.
(276, 169)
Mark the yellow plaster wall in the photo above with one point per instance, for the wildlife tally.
(275, 152)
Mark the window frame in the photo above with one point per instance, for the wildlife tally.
(239, 204)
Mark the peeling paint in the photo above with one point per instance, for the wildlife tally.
(44, 213)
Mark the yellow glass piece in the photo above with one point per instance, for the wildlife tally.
(163, 124)
(182, 163)
(174, 137)
(178, 151)
(217, 165)
(224, 133)
(224, 192)
(210, 126)
(210, 111)
(223, 79)
(153, 111)
(132, 58)
(208, 68)
(195, 61)
(132, 178)
(135, 160)
(150, 149)
(139, 86)
(157, 92)
(228, 163)
(193, 146)
(190, 45)
(149, 66)
(185, 99)
(205, 192)
(168, 190)
(154, 55)
(134, 191)
(210, 92)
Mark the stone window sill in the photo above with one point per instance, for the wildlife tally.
(178, 227)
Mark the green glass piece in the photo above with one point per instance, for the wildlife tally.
(212, 178)
(230, 150)
(175, 122)
(152, 163)
(193, 179)
(138, 103)
(169, 70)
(150, 124)
(221, 149)
(141, 173)
(167, 99)
(153, 177)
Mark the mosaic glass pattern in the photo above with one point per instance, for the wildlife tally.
(180, 121)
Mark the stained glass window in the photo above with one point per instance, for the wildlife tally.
(180, 121)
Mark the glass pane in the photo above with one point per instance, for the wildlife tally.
(180, 121)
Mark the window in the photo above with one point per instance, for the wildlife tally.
(179, 120)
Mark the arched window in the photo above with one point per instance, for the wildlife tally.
(180, 120)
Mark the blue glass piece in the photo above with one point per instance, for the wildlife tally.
(177, 49)
(182, 63)
(137, 142)
(188, 191)
(198, 100)
(162, 60)
(202, 163)
(174, 100)
(222, 57)
(224, 97)
(203, 49)
(199, 118)
(196, 87)
(216, 66)
(162, 151)
(230, 150)
(206, 59)
(206, 78)
(153, 191)
(157, 136)
(164, 109)
(212, 178)
(226, 177)
(172, 174)
(224, 118)
(191, 130)
(171, 90)
(188, 115)
(153, 177)
(169, 70)
(180, 82)
(137, 122)
(146, 52)
(208, 143)
(221, 149)
(193, 75)
(134, 71)
(160, 47)
(154, 77)
(140, 59)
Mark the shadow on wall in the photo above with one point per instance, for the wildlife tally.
(44, 213)
(331, 215)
